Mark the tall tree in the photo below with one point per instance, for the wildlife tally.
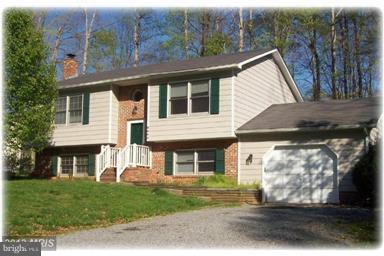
(356, 31)
(333, 54)
(30, 86)
(241, 30)
(186, 40)
(88, 31)
(205, 20)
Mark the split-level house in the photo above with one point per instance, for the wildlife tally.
(240, 115)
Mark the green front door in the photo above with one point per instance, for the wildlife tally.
(137, 133)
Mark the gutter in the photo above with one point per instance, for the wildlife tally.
(306, 129)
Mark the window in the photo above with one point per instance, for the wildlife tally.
(75, 107)
(61, 110)
(200, 96)
(185, 162)
(137, 95)
(195, 162)
(67, 164)
(206, 161)
(81, 164)
(179, 98)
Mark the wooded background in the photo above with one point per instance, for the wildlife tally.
(330, 52)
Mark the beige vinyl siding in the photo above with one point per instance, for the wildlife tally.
(196, 125)
(257, 87)
(97, 131)
(347, 145)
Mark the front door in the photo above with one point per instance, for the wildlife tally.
(137, 133)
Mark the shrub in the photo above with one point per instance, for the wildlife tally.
(365, 176)
(222, 181)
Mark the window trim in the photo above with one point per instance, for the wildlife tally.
(74, 166)
(67, 113)
(195, 162)
(189, 98)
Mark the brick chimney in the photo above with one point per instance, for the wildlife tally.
(70, 66)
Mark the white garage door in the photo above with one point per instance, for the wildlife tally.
(300, 174)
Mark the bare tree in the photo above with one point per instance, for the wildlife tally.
(88, 31)
(241, 30)
(356, 32)
(250, 25)
(333, 54)
(57, 43)
(186, 41)
(136, 38)
(205, 19)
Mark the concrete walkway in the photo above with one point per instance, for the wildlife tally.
(238, 227)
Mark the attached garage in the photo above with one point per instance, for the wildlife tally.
(300, 174)
(305, 152)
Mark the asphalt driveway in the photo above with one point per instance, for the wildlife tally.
(238, 227)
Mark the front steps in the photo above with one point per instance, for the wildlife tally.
(109, 175)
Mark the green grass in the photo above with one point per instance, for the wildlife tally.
(221, 181)
(48, 207)
(364, 232)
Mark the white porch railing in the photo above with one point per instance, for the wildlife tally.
(130, 156)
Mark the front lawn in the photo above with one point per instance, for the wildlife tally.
(47, 207)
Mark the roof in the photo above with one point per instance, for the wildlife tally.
(331, 114)
(217, 61)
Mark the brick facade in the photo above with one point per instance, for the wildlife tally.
(129, 110)
(156, 175)
(43, 159)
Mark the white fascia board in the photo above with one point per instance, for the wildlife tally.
(308, 129)
(241, 64)
(280, 61)
(106, 81)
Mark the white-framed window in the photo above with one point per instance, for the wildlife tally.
(69, 109)
(76, 165)
(200, 96)
(61, 110)
(179, 98)
(193, 162)
(67, 164)
(189, 97)
(75, 108)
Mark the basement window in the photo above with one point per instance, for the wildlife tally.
(192, 162)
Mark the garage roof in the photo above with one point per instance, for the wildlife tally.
(331, 114)
(217, 62)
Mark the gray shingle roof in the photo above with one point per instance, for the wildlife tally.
(322, 114)
(166, 67)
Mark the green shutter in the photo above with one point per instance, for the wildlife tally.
(86, 108)
(53, 165)
(163, 101)
(168, 168)
(215, 95)
(220, 164)
(91, 165)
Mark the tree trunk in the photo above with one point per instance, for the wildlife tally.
(316, 68)
(333, 54)
(186, 46)
(204, 32)
(136, 39)
(241, 30)
(56, 46)
(356, 32)
(88, 30)
(250, 28)
(344, 46)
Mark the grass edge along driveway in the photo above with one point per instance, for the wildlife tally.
(49, 207)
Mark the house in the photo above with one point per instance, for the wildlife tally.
(240, 115)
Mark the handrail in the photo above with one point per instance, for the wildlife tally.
(131, 155)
